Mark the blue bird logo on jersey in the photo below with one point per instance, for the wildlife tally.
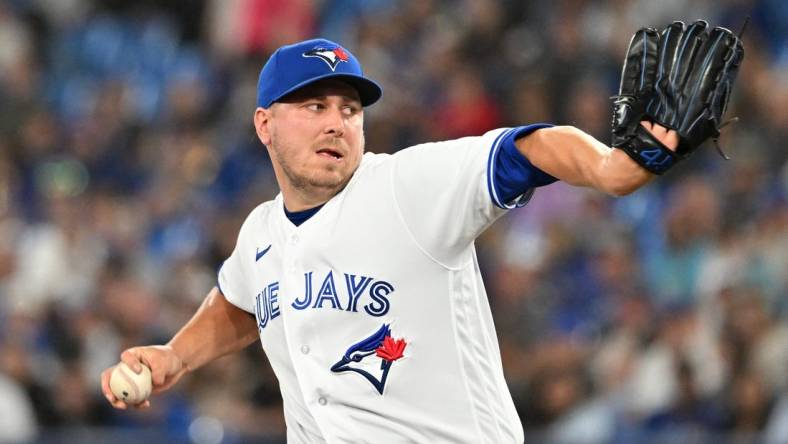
(332, 56)
(362, 357)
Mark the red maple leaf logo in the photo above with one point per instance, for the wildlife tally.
(391, 350)
(341, 54)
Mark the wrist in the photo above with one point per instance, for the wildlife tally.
(622, 175)
(648, 151)
(181, 358)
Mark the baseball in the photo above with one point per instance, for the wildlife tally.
(131, 387)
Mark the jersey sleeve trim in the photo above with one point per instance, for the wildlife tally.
(227, 297)
(219, 279)
(490, 169)
(219, 286)
(508, 170)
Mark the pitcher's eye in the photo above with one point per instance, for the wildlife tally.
(315, 106)
(350, 110)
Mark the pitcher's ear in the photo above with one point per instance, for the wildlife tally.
(261, 118)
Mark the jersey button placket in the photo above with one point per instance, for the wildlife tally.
(292, 270)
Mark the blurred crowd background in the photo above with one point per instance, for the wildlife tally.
(128, 162)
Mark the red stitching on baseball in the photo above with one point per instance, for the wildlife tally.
(132, 385)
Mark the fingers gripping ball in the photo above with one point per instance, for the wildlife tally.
(128, 386)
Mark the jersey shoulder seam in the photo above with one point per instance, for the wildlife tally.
(259, 213)
(405, 223)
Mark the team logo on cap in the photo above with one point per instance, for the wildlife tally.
(332, 56)
(364, 356)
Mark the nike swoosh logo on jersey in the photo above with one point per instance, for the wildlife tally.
(260, 254)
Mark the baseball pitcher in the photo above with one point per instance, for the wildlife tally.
(360, 278)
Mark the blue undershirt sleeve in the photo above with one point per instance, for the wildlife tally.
(513, 176)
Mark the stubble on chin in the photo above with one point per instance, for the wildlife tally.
(320, 177)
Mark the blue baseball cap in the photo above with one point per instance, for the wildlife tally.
(294, 66)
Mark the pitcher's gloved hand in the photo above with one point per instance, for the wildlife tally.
(680, 78)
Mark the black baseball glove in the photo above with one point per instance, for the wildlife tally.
(680, 78)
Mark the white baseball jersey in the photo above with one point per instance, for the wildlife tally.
(372, 312)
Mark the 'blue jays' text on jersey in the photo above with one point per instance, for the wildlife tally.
(372, 312)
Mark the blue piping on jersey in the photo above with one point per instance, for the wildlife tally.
(530, 178)
(490, 162)
(218, 285)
